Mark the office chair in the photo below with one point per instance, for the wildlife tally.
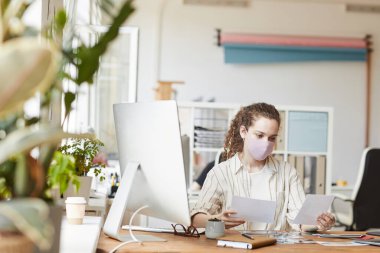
(362, 210)
(218, 156)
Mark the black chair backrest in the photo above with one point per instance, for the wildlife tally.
(367, 201)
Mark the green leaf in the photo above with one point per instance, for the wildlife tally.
(32, 121)
(26, 66)
(88, 57)
(61, 171)
(24, 139)
(8, 123)
(5, 192)
(60, 21)
(21, 176)
(30, 217)
(7, 173)
(69, 99)
(83, 150)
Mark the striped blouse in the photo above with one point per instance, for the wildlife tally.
(231, 178)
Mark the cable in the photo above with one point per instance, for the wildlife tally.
(130, 222)
(120, 245)
(130, 231)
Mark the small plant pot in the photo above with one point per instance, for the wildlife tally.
(83, 191)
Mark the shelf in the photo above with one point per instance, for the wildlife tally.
(209, 105)
(198, 149)
(342, 188)
(298, 153)
(307, 153)
(279, 152)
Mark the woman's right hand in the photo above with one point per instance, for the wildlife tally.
(229, 221)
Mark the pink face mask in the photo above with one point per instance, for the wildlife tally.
(259, 149)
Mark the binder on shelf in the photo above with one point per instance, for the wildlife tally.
(321, 173)
(208, 132)
(216, 141)
(207, 145)
(208, 137)
(208, 129)
(310, 171)
(292, 160)
(300, 168)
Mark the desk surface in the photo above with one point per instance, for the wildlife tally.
(80, 238)
(202, 244)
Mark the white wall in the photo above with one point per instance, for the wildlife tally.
(185, 50)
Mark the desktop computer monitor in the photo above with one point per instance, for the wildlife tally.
(151, 164)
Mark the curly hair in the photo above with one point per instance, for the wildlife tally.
(246, 116)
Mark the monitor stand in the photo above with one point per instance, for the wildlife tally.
(138, 238)
(116, 213)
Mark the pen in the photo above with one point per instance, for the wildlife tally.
(248, 236)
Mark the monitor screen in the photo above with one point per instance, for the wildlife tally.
(151, 163)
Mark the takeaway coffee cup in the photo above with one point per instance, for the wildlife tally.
(214, 228)
(75, 207)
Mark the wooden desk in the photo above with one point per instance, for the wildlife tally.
(202, 244)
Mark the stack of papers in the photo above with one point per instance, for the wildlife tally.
(340, 244)
(374, 242)
(344, 236)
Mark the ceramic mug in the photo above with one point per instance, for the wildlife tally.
(214, 228)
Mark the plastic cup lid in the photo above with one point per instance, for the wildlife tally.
(75, 200)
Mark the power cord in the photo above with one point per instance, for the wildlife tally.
(121, 245)
(130, 231)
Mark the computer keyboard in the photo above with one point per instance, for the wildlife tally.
(156, 230)
(147, 229)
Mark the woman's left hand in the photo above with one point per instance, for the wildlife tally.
(325, 221)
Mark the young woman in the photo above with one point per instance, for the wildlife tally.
(251, 171)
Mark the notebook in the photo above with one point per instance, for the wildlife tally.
(241, 242)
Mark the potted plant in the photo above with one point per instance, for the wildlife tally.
(31, 63)
(83, 151)
(61, 173)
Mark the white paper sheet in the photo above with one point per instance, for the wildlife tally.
(254, 209)
(314, 205)
(340, 244)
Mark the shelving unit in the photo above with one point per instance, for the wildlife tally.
(305, 139)
(308, 145)
(215, 119)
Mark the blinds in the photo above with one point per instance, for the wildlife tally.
(253, 48)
